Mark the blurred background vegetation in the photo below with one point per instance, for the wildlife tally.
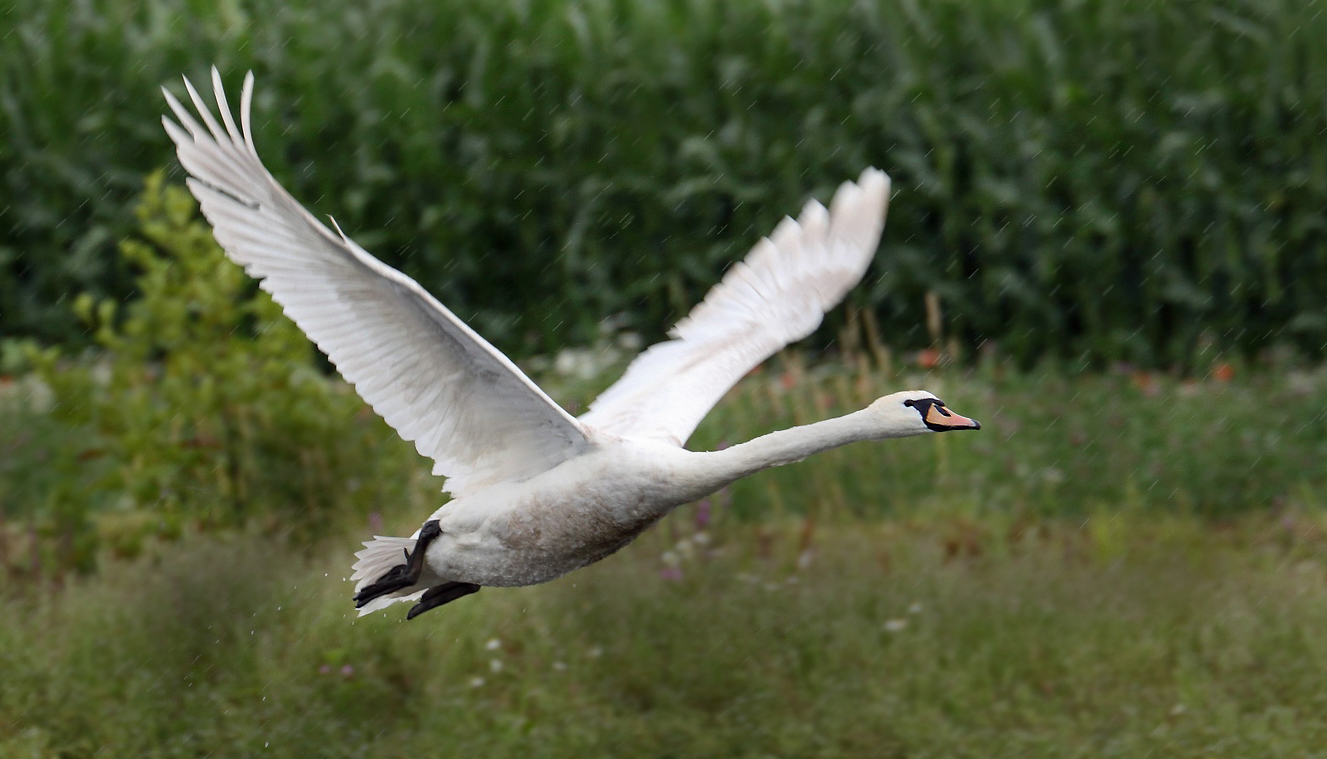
(1108, 243)
(201, 407)
(1092, 181)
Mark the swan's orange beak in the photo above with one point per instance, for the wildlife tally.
(942, 419)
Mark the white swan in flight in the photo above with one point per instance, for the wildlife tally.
(536, 492)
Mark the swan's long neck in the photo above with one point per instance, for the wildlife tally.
(786, 446)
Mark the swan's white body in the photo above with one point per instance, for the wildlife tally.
(536, 492)
(525, 533)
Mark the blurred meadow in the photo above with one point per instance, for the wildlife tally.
(1107, 246)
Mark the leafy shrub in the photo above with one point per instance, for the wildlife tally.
(1095, 180)
(205, 405)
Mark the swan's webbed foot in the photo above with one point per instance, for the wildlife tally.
(402, 575)
(441, 594)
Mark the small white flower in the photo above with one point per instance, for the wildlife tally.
(804, 561)
(560, 666)
(40, 396)
(701, 538)
(670, 559)
(896, 625)
(493, 644)
(596, 652)
(630, 341)
(495, 666)
(102, 373)
(567, 362)
(916, 608)
(476, 682)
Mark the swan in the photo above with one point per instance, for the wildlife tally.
(535, 492)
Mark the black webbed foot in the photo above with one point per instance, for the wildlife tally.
(441, 594)
(401, 575)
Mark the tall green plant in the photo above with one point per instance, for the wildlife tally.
(205, 402)
(1098, 179)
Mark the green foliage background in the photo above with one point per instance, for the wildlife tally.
(203, 409)
(1090, 180)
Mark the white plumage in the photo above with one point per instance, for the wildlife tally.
(776, 296)
(536, 492)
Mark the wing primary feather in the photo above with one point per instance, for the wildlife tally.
(232, 133)
(246, 109)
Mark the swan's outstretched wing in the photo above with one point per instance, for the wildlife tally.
(776, 296)
(434, 380)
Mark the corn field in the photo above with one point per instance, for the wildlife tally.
(1082, 181)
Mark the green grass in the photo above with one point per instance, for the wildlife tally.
(1154, 636)
(942, 596)
(1051, 446)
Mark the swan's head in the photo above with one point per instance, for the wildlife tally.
(914, 412)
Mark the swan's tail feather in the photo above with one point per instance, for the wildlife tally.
(378, 557)
(382, 602)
